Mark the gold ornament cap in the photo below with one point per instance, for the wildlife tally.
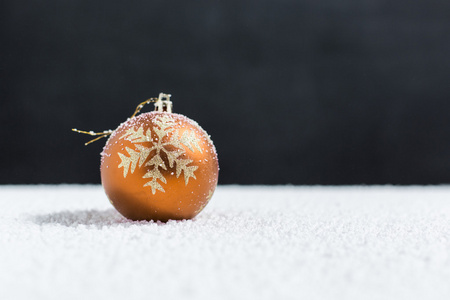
(163, 103)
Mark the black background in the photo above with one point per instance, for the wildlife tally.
(301, 92)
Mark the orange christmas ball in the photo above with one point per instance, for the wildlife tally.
(159, 166)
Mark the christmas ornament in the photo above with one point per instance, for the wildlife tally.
(158, 165)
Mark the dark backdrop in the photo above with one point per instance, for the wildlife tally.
(301, 92)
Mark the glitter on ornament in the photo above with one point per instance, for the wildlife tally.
(158, 165)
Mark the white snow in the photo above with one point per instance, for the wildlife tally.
(285, 242)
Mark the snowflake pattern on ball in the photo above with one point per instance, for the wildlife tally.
(173, 149)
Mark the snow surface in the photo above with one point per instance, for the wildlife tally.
(67, 242)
